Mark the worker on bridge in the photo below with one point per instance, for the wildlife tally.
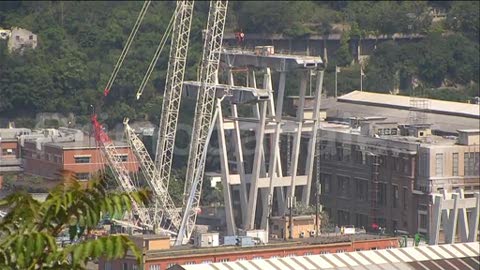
(240, 36)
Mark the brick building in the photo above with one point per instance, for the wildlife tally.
(68, 149)
(45, 153)
(157, 255)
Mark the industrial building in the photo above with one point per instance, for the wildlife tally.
(45, 153)
(378, 164)
(441, 257)
(158, 255)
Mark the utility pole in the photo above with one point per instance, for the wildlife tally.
(337, 69)
(361, 80)
(316, 208)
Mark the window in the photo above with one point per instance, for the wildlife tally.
(307, 253)
(83, 176)
(405, 201)
(241, 259)
(122, 158)
(257, 257)
(207, 261)
(82, 159)
(386, 131)
(406, 166)
(134, 267)
(393, 131)
(108, 266)
(361, 189)
(395, 196)
(340, 251)
(343, 188)
(472, 163)
(324, 252)
(439, 164)
(224, 260)
(125, 266)
(380, 131)
(325, 182)
(170, 265)
(422, 224)
(190, 263)
(424, 165)
(455, 164)
(274, 257)
(30, 37)
(382, 193)
(154, 267)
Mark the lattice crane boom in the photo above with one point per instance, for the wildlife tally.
(153, 179)
(120, 171)
(202, 124)
(173, 90)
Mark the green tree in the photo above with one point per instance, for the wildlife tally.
(464, 17)
(29, 229)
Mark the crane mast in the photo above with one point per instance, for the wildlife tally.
(173, 91)
(202, 123)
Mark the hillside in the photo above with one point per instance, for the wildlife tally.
(79, 43)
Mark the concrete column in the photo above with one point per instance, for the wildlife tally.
(253, 194)
(473, 230)
(298, 134)
(237, 141)
(313, 139)
(436, 219)
(231, 229)
(462, 220)
(275, 169)
(452, 222)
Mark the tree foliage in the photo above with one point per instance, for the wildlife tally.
(29, 229)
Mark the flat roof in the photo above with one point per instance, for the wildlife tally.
(403, 102)
(469, 130)
(86, 143)
(463, 255)
(275, 245)
(444, 122)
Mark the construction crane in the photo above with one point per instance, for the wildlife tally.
(120, 171)
(157, 173)
(202, 123)
(173, 90)
(170, 218)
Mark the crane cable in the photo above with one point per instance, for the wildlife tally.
(125, 50)
(156, 56)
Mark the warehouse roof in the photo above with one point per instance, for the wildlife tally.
(450, 256)
(344, 109)
(403, 102)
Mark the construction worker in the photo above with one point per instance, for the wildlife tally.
(240, 36)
